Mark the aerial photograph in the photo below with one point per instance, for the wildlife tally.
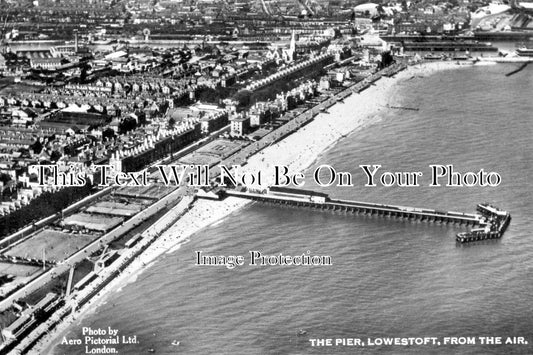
(266, 177)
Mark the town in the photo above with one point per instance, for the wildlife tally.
(135, 85)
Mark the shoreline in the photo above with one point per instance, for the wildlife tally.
(306, 145)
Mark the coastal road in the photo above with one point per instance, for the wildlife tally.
(91, 248)
(238, 158)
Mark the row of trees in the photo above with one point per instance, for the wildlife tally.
(45, 205)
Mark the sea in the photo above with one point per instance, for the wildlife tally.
(389, 278)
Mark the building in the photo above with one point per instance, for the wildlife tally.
(46, 63)
(259, 114)
(28, 317)
(239, 125)
(3, 62)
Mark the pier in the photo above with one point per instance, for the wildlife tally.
(497, 222)
(319, 201)
(490, 222)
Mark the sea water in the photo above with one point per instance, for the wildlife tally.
(389, 278)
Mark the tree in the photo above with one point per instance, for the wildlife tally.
(171, 122)
(55, 156)
(243, 97)
(70, 150)
(83, 74)
(108, 133)
(141, 116)
(5, 178)
(37, 147)
(404, 6)
(127, 124)
(210, 95)
(386, 59)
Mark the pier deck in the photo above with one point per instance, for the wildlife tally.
(309, 200)
(497, 223)
(491, 222)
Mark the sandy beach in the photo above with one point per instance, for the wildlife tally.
(297, 151)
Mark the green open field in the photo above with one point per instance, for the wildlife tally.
(9, 87)
(221, 147)
(115, 208)
(57, 245)
(17, 269)
(153, 192)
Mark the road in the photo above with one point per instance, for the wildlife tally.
(91, 248)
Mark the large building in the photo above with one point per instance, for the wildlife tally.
(46, 63)
(239, 125)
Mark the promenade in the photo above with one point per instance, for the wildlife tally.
(88, 250)
(315, 133)
(242, 156)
